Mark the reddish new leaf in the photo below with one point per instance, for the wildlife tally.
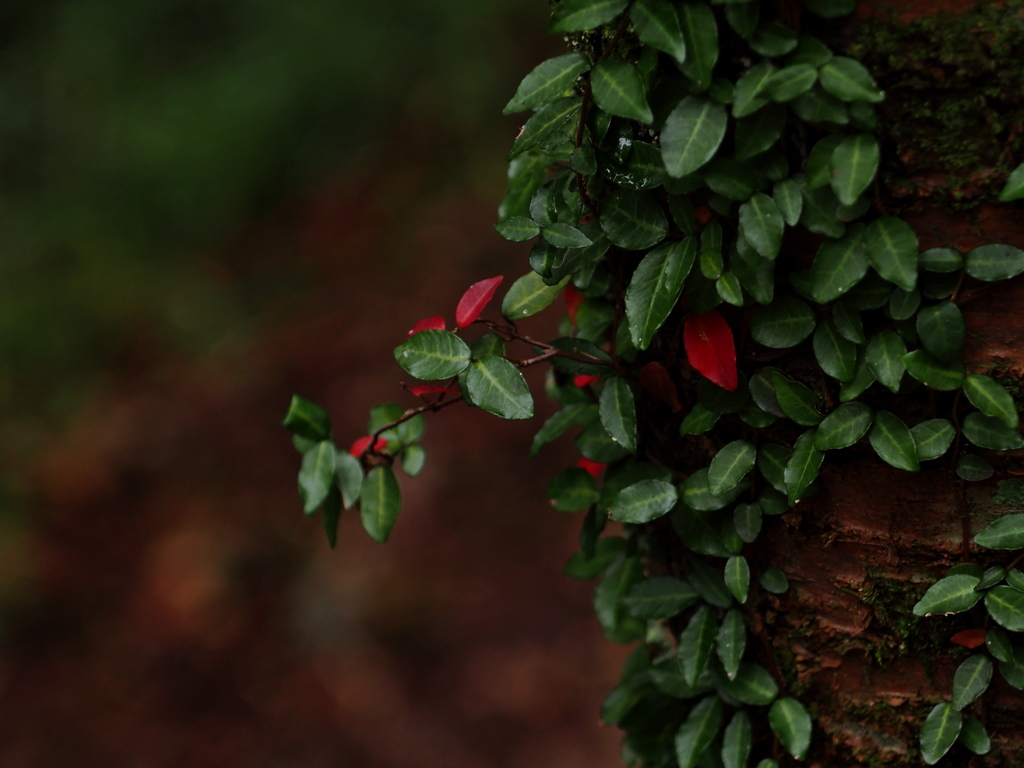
(360, 446)
(969, 638)
(594, 468)
(710, 348)
(435, 323)
(475, 299)
(655, 378)
(583, 380)
(702, 214)
(432, 389)
(573, 299)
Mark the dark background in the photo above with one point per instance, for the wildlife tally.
(205, 207)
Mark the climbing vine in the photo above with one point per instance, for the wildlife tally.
(707, 367)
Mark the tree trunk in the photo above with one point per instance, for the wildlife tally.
(862, 551)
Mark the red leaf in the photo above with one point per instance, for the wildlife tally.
(654, 377)
(593, 467)
(475, 299)
(702, 214)
(360, 446)
(573, 299)
(710, 348)
(582, 380)
(432, 389)
(969, 638)
(435, 323)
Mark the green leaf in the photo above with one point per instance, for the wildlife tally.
(660, 597)
(952, 594)
(752, 685)
(692, 134)
(644, 501)
(746, 99)
(762, 224)
(803, 466)
(307, 419)
(773, 38)
(891, 247)
(698, 421)
(884, 356)
(974, 736)
(559, 422)
(572, 489)
(817, 106)
(1014, 189)
(698, 731)
(819, 161)
(709, 583)
(973, 468)
(782, 324)
(1012, 669)
(696, 643)
(527, 296)
(1005, 533)
(810, 50)
(731, 179)
(737, 741)
(904, 304)
(791, 723)
(819, 212)
(495, 385)
(771, 460)
(380, 503)
(863, 377)
(788, 200)
(348, 475)
(730, 465)
(849, 80)
(701, 35)
(971, 680)
(789, 82)
(992, 576)
(544, 123)
(633, 220)
(943, 376)
(547, 82)
(796, 400)
(656, 23)
(997, 642)
(942, 330)
(893, 442)
(618, 89)
(838, 266)
(836, 356)
(941, 260)
(759, 132)
(729, 288)
(989, 432)
(774, 580)
(655, 288)
(331, 516)
(994, 262)
(696, 495)
(618, 412)
(843, 427)
(737, 571)
(566, 236)
(414, 456)
(1006, 605)
(731, 641)
(580, 15)
(933, 438)
(316, 475)
(854, 164)
(433, 355)
(743, 17)
(991, 398)
(939, 732)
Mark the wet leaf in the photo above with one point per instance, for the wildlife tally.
(633, 220)
(548, 81)
(380, 503)
(619, 90)
(529, 295)
(517, 229)
(854, 164)
(655, 288)
(710, 348)
(952, 594)
(656, 23)
(544, 123)
(791, 723)
(580, 15)
(565, 236)
(692, 134)
(644, 501)
(939, 732)
(433, 355)
(475, 299)
(495, 385)
(618, 412)
(893, 442)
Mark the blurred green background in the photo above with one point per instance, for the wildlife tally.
(204, 207)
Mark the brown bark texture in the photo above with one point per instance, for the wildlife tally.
(862, 551)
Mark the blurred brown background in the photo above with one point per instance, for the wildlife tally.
(205, 207)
